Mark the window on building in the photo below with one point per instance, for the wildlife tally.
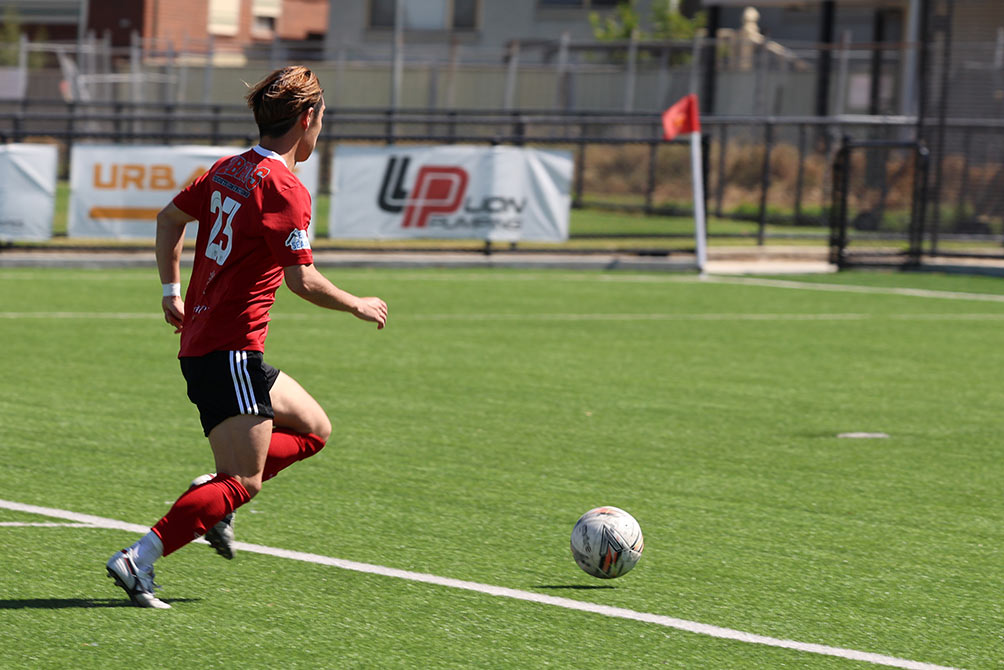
(264, 16)
(271, 8)
(465, 15)
(579, 4)
(426, 14)
(224, 17)
(263, 25)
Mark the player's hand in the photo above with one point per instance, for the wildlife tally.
(174, 311)
(372, 309)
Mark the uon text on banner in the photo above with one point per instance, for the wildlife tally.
(117, 190)
(27, 191)
(504, 194)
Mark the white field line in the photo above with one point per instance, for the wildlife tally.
(24, 524)
(603, 277)
(468, 316)
(851, 288)
(93, 316)
(499, 591)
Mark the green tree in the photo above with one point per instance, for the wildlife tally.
(10, 40)
(10, 36)
(617, 26)
(669, 23)
(666, 20)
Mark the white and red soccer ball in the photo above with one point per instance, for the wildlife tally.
(607, 542)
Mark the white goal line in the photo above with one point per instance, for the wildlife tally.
(605, 610)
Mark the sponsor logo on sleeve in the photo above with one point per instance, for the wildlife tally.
(298, 240)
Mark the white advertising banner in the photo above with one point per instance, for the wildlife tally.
(504, 194)
(117, 190)
(27, 191)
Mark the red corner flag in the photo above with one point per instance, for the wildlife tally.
(682, 117)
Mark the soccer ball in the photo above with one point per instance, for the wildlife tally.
(607, 542)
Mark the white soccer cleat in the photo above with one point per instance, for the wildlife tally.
(137, 584)
(202, 479)
(221, 536)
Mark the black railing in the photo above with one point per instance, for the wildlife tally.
(813, 141)
(841, 253)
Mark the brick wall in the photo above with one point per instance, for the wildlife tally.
(181, 20)
(303, 19)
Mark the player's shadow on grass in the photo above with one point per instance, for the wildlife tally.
(70, 603)
(575, 587)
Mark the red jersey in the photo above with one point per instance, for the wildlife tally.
(253, 215)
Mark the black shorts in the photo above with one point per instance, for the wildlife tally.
(229, 383)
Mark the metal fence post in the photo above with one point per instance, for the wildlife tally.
(768, 143)
(451, 73)
(960, 207)
(918, 212)
(838, 208)
(946, 66)
(389, 127)
(181, 89)
(135, 78)
(451, 126)
(580, 169)
(397, 55)
(653, 150)
(800, 176)
(512, 69)
(845, 54)
(22, 66)
(207, 72)
(518, 129)
(632, 67)
(561, 87)
(723, 144)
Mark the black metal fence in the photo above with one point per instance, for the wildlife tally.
(864, 228)
(774, 174)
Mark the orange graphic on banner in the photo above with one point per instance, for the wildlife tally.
(128, 213)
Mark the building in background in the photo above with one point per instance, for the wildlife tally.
(366, 27)
(47, 19)
(233, 25)
(474, 24)
(768, 58)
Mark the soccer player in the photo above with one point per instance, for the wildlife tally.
(253, 215)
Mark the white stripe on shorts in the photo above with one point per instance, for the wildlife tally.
(247, 379)
(246, 402)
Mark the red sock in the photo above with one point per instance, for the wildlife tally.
(288, 447)
(198, 510)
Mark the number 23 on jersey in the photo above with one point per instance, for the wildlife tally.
(221, 235)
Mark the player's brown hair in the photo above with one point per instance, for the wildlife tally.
(279, 99)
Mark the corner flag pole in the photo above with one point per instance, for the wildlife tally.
(697, 177)
(684, 117)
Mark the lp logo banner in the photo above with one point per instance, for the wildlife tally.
(450, 192)
(438, 189)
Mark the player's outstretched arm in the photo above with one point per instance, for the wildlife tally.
(306, 282)
(170, 241)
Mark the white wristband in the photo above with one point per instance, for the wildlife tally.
(172, 290)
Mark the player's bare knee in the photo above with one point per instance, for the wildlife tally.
(251, 484)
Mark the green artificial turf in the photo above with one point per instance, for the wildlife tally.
(470, 434)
